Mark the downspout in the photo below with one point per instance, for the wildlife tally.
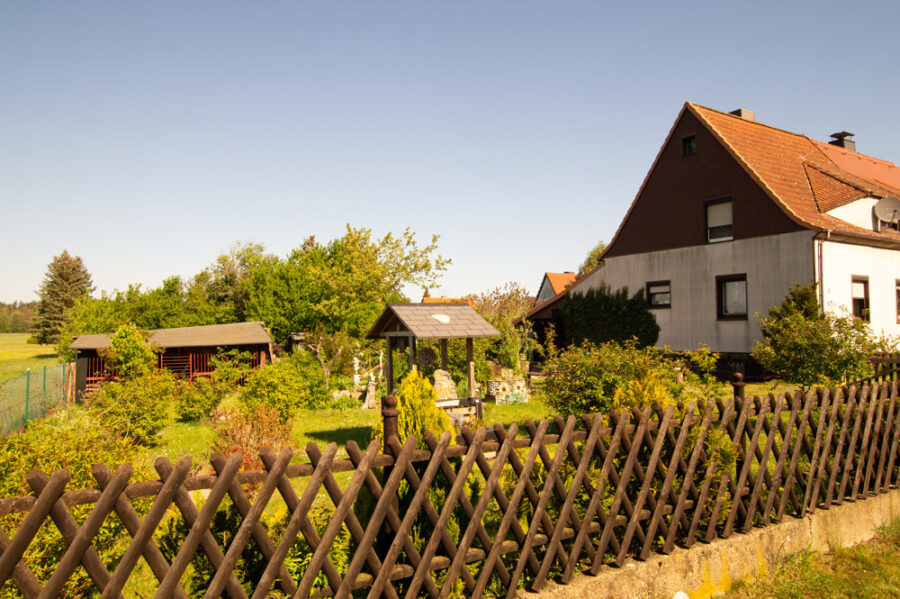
(820, 262)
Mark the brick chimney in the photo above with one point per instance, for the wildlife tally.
(745, 114)
(841, 140)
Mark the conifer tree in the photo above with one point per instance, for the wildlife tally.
(66, 281)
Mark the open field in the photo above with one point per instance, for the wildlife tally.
(870, 570)
(16, 355)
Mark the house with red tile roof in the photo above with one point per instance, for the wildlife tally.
(733, 212)
(552, 284)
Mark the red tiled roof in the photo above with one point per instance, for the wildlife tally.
(448, 300)
(560, 280)
(804, 177)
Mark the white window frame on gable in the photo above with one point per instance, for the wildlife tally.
(719, 221)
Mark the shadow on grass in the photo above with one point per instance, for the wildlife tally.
(361, 434)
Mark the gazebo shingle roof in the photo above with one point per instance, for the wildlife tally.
(432, 321)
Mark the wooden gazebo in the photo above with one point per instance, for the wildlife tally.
(411, 322)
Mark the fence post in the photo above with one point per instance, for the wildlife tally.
(44, 394)
(737, 383)
(27, 393)
(389, 413)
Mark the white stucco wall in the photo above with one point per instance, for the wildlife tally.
(858, 213)
(842, 261)
(772, 263)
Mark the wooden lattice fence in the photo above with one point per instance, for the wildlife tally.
(505, 508)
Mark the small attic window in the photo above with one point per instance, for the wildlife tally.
(688, 145)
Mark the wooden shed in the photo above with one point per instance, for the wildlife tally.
(186, 351)
(408, 323)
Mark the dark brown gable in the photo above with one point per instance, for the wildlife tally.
(670, 210)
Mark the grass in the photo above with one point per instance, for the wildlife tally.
(870, 570)
(17, 355)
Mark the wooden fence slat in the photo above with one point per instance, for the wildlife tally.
(552, 471)
(850, 462)
(778, 473)
(510, 514)
(645, 485)
(382, 505)
(80, 549)
(241, 503)
(848, 403)
(885, 439)
(667, 485)
(864, 447)
(795, 457)
(299, 521)
(249, 523)
(595, 504)
(402, 531)
(555, 544)
(342, 510)
(46, 500)
(21, 575)
(446, 511)
(894, 442)
(618, 498)
(199, 533)
(486, 495)
(142, 532)
(725, 481)
(876, 437)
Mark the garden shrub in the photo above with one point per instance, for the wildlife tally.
(584, 379)
(245, 431)
(286, 386)
(68, 438)
(419, 414)
(824, 350)
(601, 315)
(199, 398)
(136, 409)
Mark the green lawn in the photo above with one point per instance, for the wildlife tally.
(870, 570)
(16, 355)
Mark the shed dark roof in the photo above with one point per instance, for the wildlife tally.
(432, 321)
(214, 335)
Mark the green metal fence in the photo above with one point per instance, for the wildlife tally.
(30, 396)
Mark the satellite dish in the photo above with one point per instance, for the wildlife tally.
(888, 210)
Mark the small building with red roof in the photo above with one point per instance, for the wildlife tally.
(733, 212)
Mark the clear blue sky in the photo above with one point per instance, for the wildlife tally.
(149, 137)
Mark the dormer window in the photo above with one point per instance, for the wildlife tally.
(688, 145)
(719, 221)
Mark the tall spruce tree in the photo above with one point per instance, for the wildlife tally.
(66, 281)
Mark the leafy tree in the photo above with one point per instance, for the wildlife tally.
(130, 354)
(822, 350)
(66, 281)
(334, 292)
(17, 317)
(800, 299)
(602, 315)
(592, 260)
(503, 307)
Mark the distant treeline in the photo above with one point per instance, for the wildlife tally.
(17, 317)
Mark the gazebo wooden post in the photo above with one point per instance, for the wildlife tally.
(412, 352)
(470, 360)
(444, 355)
(389, 365)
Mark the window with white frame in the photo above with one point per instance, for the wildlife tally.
(719, 221)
